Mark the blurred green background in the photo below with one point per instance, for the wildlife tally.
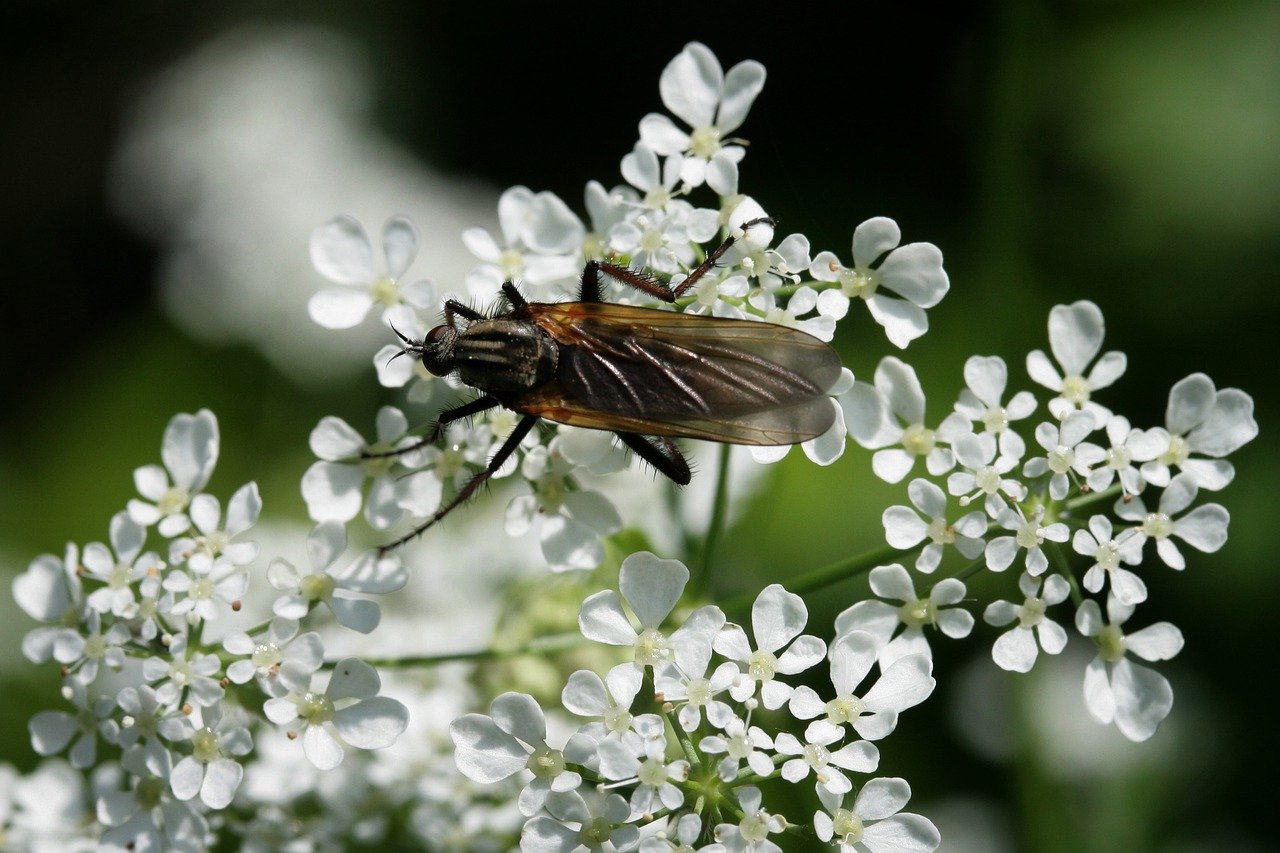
(1124, 152)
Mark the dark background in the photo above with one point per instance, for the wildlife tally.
(1127, 153)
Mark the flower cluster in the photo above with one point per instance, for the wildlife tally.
(160, 669)
(191, 667)
(670, 754)
(1044, 500)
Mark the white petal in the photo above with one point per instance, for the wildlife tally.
(332, 491)
(353, 679)
(221, 779)
(520, 715)
(1015, 650)
(186, 777)
(358, 614)
(881, 798)
(1042, 371)
(1075, 334)
(652, 586)
(1143, 699)
(320, 748)
(483, 752)
(691, 84)
(339, 307)
(741, 86)
(915, 272)
(873, 238)
(603, 620)
(399, 245)
(902, 321)
(1204, 528)
(777, 616)
(373, 723)
(340, 251)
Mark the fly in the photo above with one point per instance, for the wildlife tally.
(649, 376)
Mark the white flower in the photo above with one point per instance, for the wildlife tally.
(753, 831)
(50, 813)
(189, 451)
(1128, 446)
(713, 104)
(281, 659)
(185, 669)
(150, 715)
(687, 830)
(651, 587)
(859, 756)
(1016, 649)
(606, 701)
(1136, 698)
(874, 713)
(348, 713)
(1075, 337)
(777, 618)
(656, 181)
(541, 246)
(1029, 534)
(342, 253)
(889, 418)
(741, 742)
(905, 528)
(982, 473)
(1108, 552)
(1067, 451)
(804, 300)
(368, 573)
(146, 815)
(882, 620)
(209, 770)
(986, 378)
(215, 540)
(223, 582)
(48, 591)
(52, 731)
(874, 824)
(571, 523)
(657, 240)
(332, 486)
(82, 652)
(913, 271)
(119, 572)
(639, 758)
(689, 688)
(489, 749)
(1202, 420)
(1203, 528)
(578, 824)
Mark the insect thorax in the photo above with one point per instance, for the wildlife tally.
(503, 355)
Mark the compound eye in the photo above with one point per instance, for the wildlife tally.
(437, 334)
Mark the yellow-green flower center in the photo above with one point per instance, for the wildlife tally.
(859, 283)
(384, 290)
(1075, 389)
(651, 648)
(847, 827)
(1179, 450)
(316, 587)
(1157, 525)
(995, 419)
(1110, 642)
(845, 709)
(918, 440)
(266, 655)
(204, 746)
(316, 708)
(546, 763)
(762, 666)
(705, 142)
(922, 611)
(173, 501)
(1031, 613)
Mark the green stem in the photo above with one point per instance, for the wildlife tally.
(970, 570)
(826, 575)
(1094, 497)
(1058, 560)
(686, 743)
(715, 528)
(538, 646)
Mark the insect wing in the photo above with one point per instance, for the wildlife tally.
(671, 374)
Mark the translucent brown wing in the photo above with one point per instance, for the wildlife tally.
(681, 375)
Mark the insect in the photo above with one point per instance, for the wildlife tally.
(638, 372)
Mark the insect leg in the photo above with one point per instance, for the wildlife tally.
(508, 447)
(703, 268)
(514, 296)
(453, 306)
(466, 410)
(640, 281)
(667, 459)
